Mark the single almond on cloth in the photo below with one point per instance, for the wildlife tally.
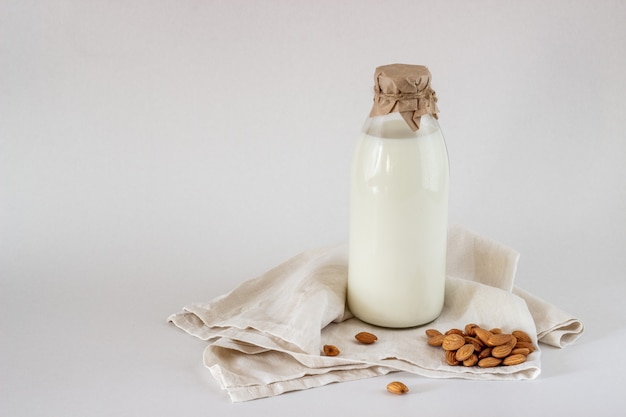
(366, 338)
(397, 387)
(331, 350)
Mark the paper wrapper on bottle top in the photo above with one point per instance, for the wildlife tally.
(404, 89)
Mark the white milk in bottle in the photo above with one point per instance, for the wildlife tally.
(399, 204)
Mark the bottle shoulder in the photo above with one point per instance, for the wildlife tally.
(393, 126)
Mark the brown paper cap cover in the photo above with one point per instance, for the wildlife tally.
(404, 89)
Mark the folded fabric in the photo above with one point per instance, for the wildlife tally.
(266, 336)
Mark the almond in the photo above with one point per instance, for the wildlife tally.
(485, 353)
(478, 345)
(489, 362)
(452, 341)
(501, 351)
(498, 339)
(522, 336)
(514, 359)
(471, 361)
(520, 351)
(366, 338)
(464, 352)
(527, 345)
(496, 330)
(454, 331)
(330, 350)
(432, 332)
(397, 387)
(436, 340)
(482, 334)
(469, 329)
(451, 358)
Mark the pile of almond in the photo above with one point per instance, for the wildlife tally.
(485, 348)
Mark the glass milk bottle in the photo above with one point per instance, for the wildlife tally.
(399, 204)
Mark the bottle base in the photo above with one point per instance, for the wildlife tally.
(394, 323)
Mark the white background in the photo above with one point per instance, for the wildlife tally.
(156, 153)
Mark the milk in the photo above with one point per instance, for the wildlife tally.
(398, 223)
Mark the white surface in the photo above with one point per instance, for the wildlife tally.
(155, 153)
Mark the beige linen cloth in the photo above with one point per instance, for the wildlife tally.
(266, 336)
